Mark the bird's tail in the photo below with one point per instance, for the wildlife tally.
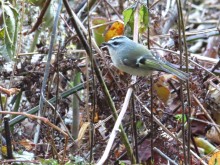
(170, 68)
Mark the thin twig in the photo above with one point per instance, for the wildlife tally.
(134, 124)
(206, 113)
(39, 19)
(167, 131)
(164, 156)
(45, 120)
(116, 128)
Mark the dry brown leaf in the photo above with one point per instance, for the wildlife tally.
(82, 130)
(29, 145)
(10, 91)
(213, 135)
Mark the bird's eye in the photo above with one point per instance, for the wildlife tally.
(115, 43)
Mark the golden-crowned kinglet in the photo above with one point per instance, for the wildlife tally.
(136, 59)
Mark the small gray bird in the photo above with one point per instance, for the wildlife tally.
(135, 59)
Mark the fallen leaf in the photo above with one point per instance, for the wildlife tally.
(213, 135)
(29, 145)
(215, 159)
(205, 144)
(10, 91)
(162, 91)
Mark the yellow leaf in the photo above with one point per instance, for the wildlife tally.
(116, 29)
(96, 118)
(82, 131)
(162, 91)
(215, 159)
(4, 151)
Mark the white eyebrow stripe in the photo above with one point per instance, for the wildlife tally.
(114, 38)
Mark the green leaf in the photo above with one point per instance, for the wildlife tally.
(2, 33)
(10, 17)
(139, 124)
(129, 16)
(3, 99)
(36, 2)
(178, 117)
(143, 17)
(205, 144)
(121, 163)
(98, 32)
(49, 162)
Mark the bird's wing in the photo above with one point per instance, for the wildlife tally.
(144, 62)
(131, 62)
(150, 62)
(157, 64)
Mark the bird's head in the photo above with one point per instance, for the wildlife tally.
(117, 44)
